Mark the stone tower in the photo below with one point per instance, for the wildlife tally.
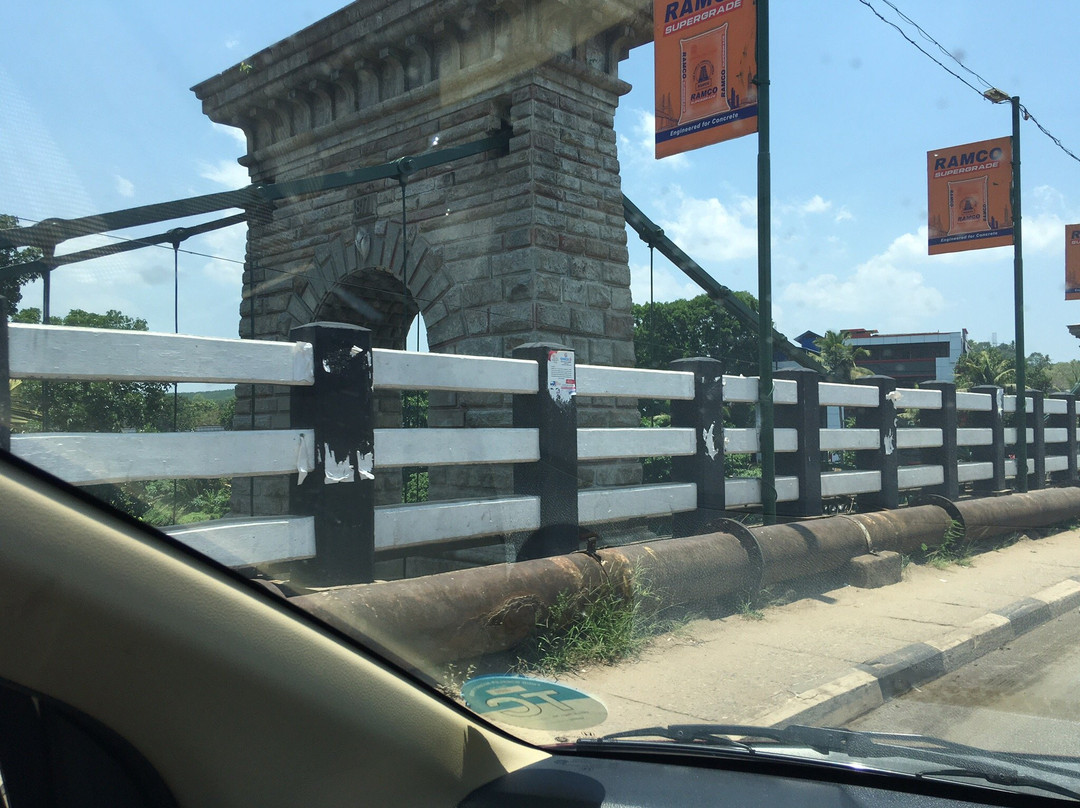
(498, 250)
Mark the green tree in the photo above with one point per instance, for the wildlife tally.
(996, 365)
(680, 329)
(11, 286)
(93, 406)
(200, 411)
(840, 358)
(984, 366)
(117, 406)
(1065, 375)
(1038, 373)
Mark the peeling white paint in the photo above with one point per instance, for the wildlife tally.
(366, 465)
(354, 350)
(1000, 395)
(890, 442)
(303, 361)
(894, 396)
(326, 366)
(305, 460)
(707, 435)
(337, 471)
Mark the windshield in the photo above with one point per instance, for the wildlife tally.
(612, 366)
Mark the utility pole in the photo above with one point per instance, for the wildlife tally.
(997, 96)
(764, 224)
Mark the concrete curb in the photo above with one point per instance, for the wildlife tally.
(867, 686)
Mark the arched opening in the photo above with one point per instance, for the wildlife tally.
(374, 299)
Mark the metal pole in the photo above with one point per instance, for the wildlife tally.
(176, 330)
(765, 335)
(1018, 293)
(48, 253)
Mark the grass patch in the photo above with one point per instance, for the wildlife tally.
(597, 627)
(752, 607)
(952, 550)
(748, 610)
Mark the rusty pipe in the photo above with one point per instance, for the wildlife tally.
(455, 615)
(469, 613)
(997, 516)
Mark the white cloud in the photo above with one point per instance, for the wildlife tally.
(228, 245)
(887, 292)
(668, 283)
(124, 187)
(1046, 197)
(232, 44)
(639, 148)
(139, 283)
(237, 135)
(228, 173)
(710, 230)
(1044, 233)
(815, 205)
(1047, 212)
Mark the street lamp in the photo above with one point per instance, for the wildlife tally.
(997, 96)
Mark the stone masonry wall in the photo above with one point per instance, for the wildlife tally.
(502, 250)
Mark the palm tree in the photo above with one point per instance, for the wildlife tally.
(840, 358)
(987, 366)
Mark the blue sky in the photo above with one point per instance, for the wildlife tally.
(98, 115)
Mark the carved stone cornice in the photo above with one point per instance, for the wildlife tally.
(376, 51)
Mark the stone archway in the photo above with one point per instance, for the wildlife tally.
(504, 248)
(372, 277)
(373, 281)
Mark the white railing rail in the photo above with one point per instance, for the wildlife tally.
(961, 437)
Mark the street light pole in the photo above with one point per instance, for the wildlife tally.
(999, 97)
(764, 225)
(1018, 294)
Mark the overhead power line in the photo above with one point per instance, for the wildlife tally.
(986, 84)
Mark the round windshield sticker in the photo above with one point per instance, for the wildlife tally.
(532, 703)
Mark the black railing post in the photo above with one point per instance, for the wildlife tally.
(1037, 423)
(805, 463)
(1067, 421)
(340, 490)
(704, 414)
(884, 460)
(946, 455)
(554, 478)
(995, 452)
(5, 379)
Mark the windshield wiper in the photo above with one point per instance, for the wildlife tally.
(821, 740)
(1003, 776)
(956, 760)
(709, 734)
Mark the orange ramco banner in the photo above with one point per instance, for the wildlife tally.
(1072, 262)
(969, 196)
(705, 66)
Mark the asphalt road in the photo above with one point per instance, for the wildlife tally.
(1023, 697)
